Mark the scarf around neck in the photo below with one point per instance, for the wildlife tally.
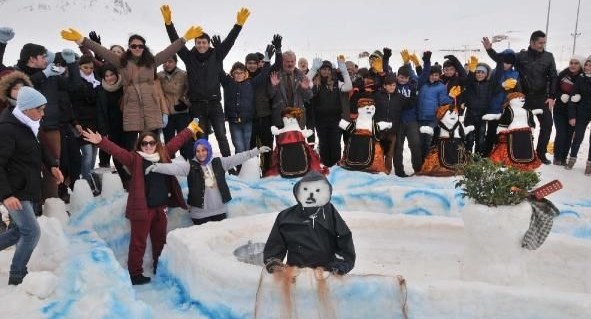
(90, 79)
(154, 157)
(112, 87)
(33, 125)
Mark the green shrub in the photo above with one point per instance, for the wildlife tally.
(489, 183)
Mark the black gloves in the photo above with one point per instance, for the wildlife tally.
(94, 37)
(269, 51)
(387, 53)
(277, 42)
(427, 56)
(216, 41)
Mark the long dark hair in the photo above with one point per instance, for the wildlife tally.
(147, 58)
(159, 147)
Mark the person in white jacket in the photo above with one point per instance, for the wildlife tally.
(206, 178)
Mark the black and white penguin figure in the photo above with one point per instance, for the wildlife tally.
(311, 233)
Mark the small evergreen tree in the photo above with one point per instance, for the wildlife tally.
(490, 183)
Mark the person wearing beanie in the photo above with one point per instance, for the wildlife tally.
(21, 159)
(479, 90)
(328, 106)
(432, 94)
(149, 194)
(206, 178)
(564, 89)
(252, 63)
(579, 114)
(203, 64)
(240, 99)
(537, 76)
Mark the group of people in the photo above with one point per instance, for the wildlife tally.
(59, 109)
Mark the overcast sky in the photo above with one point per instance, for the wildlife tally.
(312, 27)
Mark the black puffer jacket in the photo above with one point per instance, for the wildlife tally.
(537, 72)
(389, 107)
(581, 109)
(21, 157)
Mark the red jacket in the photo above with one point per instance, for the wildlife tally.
(137, 205)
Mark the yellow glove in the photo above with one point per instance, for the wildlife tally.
(472, 63)
(455, 91)
(195, 128)
(509, 84)
(377, 64)
(166, 14)
(193, 32)
(242, 16)
(405, 56)
(71, 35)
(340, 58)
(415, 60)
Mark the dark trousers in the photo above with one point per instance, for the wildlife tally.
(475, 141)
(104, 158)
(329, 141)
(310, 121)
(118, 137)
(491, 137)
(388, 143)
(211, 115)
(426, 139)
(177, 123)
(155, 226)
(214, 218)
(580, 128)
(533, 102)
(564, 133)
(261, 135)
(70, 159)
(411, 132)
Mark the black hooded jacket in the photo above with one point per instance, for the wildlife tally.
(311, 237)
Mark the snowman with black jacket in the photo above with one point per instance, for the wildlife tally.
(311, 233)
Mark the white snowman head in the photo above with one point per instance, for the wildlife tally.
(366, 108)
(290, 117)
(448, 115)
(516, 100)
(313, 190)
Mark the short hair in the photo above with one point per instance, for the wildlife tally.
(85, 59)
(536, 35)
(289, 53)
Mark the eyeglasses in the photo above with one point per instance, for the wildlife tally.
(136, 46)
(146, 143)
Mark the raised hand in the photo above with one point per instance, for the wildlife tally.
(472, 63)
(194, 126)
(6, 34)
(216, 41)
(427, 56)
(274, 78)
(242, 16)
(53, 70)
(455, 91)
(486, 43)
(166, 14)
(277, 39)
(92, 137)
(405, 56)
(415, 60)
(316, 63)
(94, 37)
(193, 32)
(387, 53)
(269, 52)
(72, 35)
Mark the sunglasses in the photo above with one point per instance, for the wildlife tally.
(136, 46)
(146, 143)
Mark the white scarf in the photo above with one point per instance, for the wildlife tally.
(90, 79)
(154, 157)
(33, 125)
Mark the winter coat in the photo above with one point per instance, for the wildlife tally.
(279, 95)
(84, 103)
(137, 205)
(53, 89)
(141, 107)
(175, 88)
(537, 72)
(21, 160)
(203, 69)
(389, 108)
(310, 242)
(431, 96)
(239, 97)
(109, 116)
(565, 84)
(582, 109)
(8, 81)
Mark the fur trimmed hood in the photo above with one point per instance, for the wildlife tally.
(7, 82)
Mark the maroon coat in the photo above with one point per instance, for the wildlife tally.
(137, 205)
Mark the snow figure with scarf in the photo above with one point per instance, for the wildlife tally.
(311, 233)
(447, 153)
(206, 179)
(293, 157)
(515, 146)
(363, 151)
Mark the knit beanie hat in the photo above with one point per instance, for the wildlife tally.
(483, 67)
(326, 64)
(508, 56)
(31, 50)
(579, 58)
(403, 70)
(29, 98)
(251, 57)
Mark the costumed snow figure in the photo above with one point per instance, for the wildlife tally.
(311, 233)
(363, 151)
(515, 147)
(447, 154)
(292, 156)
